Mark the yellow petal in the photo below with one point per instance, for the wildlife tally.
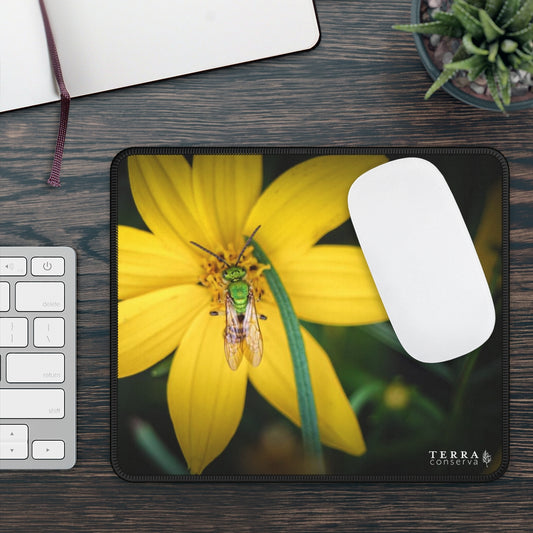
(225, 189)
(205, 397)
(145, 263)
(306, 202)
(333, 285)
(274, 379)
(161, 186)
(152, 325)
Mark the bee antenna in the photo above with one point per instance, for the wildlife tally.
(210, 252)
(246, 244)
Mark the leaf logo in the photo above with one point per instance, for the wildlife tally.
(486, 458)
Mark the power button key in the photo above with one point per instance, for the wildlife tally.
(47, 266)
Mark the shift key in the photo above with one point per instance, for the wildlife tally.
(32, 403)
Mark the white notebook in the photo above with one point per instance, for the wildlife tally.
(107, 44)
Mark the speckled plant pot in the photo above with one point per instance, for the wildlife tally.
(466, 97)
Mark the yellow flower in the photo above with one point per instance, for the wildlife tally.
(167, 287)
(396, 396)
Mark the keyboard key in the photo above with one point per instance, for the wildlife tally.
(49, 332)
(4, 296)
(40, 296)
(12, 266)
(13, 441)
(13, 433)
(35, 368)
(48, 449)
(47, 266)
(13, 333)
(32, 403)
(13, 450)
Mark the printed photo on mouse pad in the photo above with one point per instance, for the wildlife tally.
(249, 340)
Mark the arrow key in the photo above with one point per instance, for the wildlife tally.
(10, 433)
(48, 449)
(13, 450)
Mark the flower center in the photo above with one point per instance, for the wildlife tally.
(213, 280)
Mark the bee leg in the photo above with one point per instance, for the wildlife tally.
(262, 317)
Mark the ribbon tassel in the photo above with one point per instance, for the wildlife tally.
(54, 179)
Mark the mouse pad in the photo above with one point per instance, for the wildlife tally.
(249, 341)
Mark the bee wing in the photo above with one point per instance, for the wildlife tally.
(252, 341)
(233, 335)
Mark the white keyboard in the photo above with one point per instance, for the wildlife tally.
(37, 358)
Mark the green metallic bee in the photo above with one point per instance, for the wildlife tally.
(242, 335)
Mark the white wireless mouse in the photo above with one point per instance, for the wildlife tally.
(422, 259)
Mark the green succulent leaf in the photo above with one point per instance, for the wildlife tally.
(477, 70)
(507, 12)
(523, 36)
(444, 77)
(522, 18)
(501, 64)
(514, 60)
(490, 28)
(508, 46)
(503, 83)
(506, 93)
(461, 53)
(448, 18)
(437, 27)
(470, 23)
(473, 62)
(521, 61)
(476, 3)
(528, 67)
(493, 88)
(467, 6)
(493, 51)
(472, 48)
(503, 72)
(524, 56)
(493, 7)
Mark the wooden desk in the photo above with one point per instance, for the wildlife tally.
(363, 85)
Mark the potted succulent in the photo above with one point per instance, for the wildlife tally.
(483, 48)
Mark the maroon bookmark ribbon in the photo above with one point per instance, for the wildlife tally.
(53, 180)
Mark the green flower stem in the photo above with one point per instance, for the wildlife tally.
(469, 365)
(147, 439)
(306, 399)
(466, 372)
(162, 368)
(365, 394)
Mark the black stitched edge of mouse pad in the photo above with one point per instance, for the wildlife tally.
(368, 411)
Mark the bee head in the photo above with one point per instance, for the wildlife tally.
(234, 273)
